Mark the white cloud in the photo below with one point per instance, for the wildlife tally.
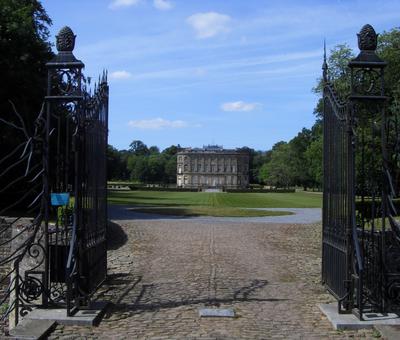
(158, 124)
(123, 3)
(239, 106)
(209, 24)
(163, 5)
(120, 75)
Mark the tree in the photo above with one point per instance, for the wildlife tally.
(256, 160)
(140, 169)
(138, 148)
(117, 167)
(299, 162)
(172, 150)
(389, 50)
(154, 150)
(24, 50)
(155, 169)
(278, 171)
(313, 155)
(170, 170)
(339, 74)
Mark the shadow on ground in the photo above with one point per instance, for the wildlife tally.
(116, 236)
(137, 298)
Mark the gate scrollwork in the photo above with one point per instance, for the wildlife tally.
(45, 206)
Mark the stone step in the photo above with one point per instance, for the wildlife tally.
(32, 329)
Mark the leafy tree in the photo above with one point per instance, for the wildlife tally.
(138, 148)
(170, 170)
(154, 150)
(389, 50)
(299, 162)
(140, 169)
(172, 150)
(278, 172)
(313, 156)
(256, 160)
(24, 50)
(339, 74)
(155, 169)
(117, 165)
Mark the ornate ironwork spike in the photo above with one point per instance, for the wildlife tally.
(325, 65)
(65, 40)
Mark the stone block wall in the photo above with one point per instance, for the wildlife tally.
(5, 248)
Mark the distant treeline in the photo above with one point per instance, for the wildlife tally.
(296, 163)
(288, 164)
(142, 164)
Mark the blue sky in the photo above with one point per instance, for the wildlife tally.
(195, 72)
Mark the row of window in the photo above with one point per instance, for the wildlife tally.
(206, 160)
(204, 180)
(213, 169)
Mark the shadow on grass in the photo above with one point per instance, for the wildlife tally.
(149, 204)
(127, 212)
(194, 211)
(154, 212)
(130, 198)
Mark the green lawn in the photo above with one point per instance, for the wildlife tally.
(217, 204)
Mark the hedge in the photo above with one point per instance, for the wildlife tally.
(133, 187)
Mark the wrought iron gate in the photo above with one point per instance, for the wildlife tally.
(361, 237)
(337, 196)
(56, 254)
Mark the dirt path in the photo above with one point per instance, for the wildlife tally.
(163, 271)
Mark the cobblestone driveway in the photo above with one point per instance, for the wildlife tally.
(163, 271)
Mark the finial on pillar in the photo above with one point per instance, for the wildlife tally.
(367, 43)
(65, 43)
(367, 38)
(65, 40)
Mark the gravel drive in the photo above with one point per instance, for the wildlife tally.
(162, 271)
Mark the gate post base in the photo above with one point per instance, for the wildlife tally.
(351, 322)
(83, 317)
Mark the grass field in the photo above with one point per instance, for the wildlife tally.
(214, 204)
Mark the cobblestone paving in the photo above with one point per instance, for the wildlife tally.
(163, 271)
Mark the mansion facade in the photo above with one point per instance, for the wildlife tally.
(212, 167)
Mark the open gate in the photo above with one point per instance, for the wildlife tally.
(54, 235)
(336, 245)
(361, 236)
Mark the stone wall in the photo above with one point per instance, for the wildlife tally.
(5, 248)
